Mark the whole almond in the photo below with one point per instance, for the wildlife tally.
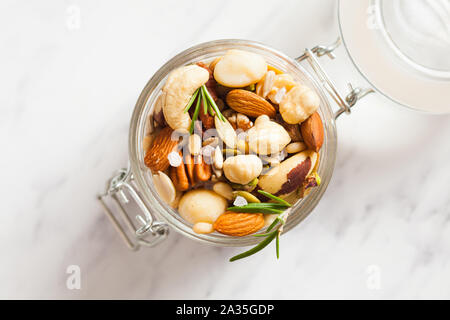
(239, 224)
(249, 103)
(156, 157)
(312, 132)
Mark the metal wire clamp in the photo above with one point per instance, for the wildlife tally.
(151, 232)
(352, 97)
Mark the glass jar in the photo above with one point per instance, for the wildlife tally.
(137, 179)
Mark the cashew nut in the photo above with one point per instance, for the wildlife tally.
(178, 90)
(267, 137)
(242, 168)
(298, 104)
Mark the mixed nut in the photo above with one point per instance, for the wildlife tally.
(233, 143)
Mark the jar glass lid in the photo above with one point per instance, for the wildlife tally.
(402, 47)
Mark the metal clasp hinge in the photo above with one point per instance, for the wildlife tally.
(150, 233)
(352, 97)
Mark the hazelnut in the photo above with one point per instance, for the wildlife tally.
(298, 104)
(242, 169)
(267, 137)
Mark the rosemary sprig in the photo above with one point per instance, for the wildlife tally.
(202, 95)
(212, 103)
(256, 248)
(269, 236)
(281, 207)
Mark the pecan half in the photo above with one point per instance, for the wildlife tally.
(179, 177)
(202, 170)
(190, 173)
(189, 163)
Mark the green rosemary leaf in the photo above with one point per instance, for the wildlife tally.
(211, 111)
(205, 102)
(264, 234)
(273, 224)
(192, 100)
(194, 117)
(264, 205)
(271, 196)
(255, 210)
(256, 248)
(261, 235)
(278, 245)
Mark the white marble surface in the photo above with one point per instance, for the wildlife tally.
(68, 91)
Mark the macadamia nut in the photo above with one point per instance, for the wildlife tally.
(237, 68)
(201, 205)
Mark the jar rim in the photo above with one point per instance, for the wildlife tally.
(147, 98)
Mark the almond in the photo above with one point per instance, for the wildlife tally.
(312, 132)
(249, 103)
(156, 157)
(239, 224)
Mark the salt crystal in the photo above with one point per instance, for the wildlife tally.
(174, 159)
(240, 201)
